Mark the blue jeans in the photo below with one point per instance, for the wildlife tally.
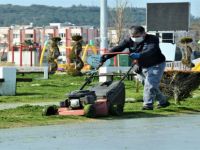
(150, 78)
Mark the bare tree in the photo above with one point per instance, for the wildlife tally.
(119, 18)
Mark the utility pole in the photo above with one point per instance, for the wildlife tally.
(103, 26)
(103, 36)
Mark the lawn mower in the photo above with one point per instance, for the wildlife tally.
(102, 99)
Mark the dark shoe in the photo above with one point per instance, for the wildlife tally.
(163, 105)
(147, 108)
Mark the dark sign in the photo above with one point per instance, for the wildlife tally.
(168, 16)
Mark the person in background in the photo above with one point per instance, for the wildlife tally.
(150, 63)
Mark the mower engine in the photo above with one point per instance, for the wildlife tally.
(75, 103)
(78, 99)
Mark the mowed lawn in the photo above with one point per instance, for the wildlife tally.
(55, 89)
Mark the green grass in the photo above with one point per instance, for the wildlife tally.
(55, 89)
(40, 90)
(31, 116)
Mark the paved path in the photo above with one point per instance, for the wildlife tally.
(14, 105)
(160, 133)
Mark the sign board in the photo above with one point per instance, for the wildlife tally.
(168, 16)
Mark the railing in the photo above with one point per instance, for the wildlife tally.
(176, 65)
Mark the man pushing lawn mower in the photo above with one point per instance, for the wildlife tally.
(109, 97)
(150, 64)
(103, 99)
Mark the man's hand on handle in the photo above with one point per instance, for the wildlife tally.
(102, 60)
(135, 55)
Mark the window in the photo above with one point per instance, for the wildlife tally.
(16, 36)
(62, 35)
(28, 35)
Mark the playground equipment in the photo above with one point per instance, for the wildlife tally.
(24, 55)
(85, 55)
(64, 59)
(43, 52)
(86, 49)
(196, 67)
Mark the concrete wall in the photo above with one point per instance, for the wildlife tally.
(8, 87)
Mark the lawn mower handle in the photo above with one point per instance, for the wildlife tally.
(89, 79)
(115, 53)
(135, 61)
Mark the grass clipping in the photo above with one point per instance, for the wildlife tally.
(179, 84)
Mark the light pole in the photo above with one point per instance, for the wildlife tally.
(103, 26)
(103, 36)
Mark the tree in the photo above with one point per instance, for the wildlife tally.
(119, 17)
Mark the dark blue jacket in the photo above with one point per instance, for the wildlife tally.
(149, 49)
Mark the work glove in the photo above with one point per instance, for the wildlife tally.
(137, 69)
(103, 58)
(135, 55)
